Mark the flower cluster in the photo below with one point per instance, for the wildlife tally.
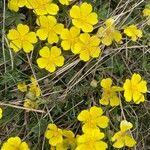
(133, 90)
(15, 143)
(32, 93)
(77, 37)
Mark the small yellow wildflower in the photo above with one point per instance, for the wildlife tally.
(22, 87)
(87, 47)
(123, 138)
(15, 4)
(91, 141)
(22, 38)
(30, 104)
(54, 134)
(146, 13)
(83, 17)
(65, 2)
(49, 28)
(133, 32)
(50, 58)
(1, 113)
(93, 119)
(109, 33)
(43, 7)
(134, 89)
(109, 95)
(34, 88)
(69, 38)
(15, 143)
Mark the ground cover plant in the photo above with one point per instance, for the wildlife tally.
(75, 75)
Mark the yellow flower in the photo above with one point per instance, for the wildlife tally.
(93, 119)
(69, 38)
(49, 28)
(109, 33)
(1, 113)
(43, 7)
(30, 104)
(109, 95)
(15, 143)
(50, 58)
(91, 141)
(87, 47)
(133, 32)
(21, 38)
(65, 2)
(134, 89)
(123, 138)
(15, 4)
(83, 17)
(34, 89)
(22, 87)
(54, 134)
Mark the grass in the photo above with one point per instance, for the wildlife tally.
(68, 91)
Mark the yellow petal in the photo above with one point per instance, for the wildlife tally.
(142, 87)
(65, 34)
(129, 141)
(86, 27)
(45, 52)
(95, 52)
(117, 36)
(42, 34)
(31, 37)
(13, 34)
(22, 29)
(42, 62)
(109, 22)
(51, 67)
(59, 61)
(52, 9)
(118, 144)
(114, 101)
(53, 37)
(125, 125)
(106, 83)
(92, 18)
(136, 96)
(102, 121)
(146, 12)
(104, 101)
(74, 31)
(58, 28)
(107, 41)
(27, 46)
(136, 78)
(66, 44)
(83, 116)
(84, 55)
(75, 12)
(84, 37)
(85, 9)
(96, 111)
(55, 51)
(15, 45)
(77, 48)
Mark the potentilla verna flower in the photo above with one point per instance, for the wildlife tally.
(108, 33)
(134, 89)
(1, 113)
(50, 58)
(109, 95)
(91, 140)
(21, 38)
(87, 47)
(93, 119)
(15, 143)
(133, 32)
(49, 29)
(123, 137)
(54, 134)
(146, 13)
(83, 17)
